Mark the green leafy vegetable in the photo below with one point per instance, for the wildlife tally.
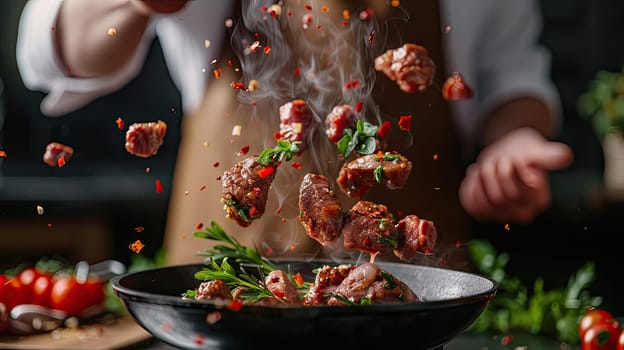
(283, 151)
(363, 139)
(555, 312)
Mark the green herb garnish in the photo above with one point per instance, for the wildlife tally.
(390, 283)
(363, 139)
(283, 151)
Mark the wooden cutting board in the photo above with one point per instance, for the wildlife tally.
(114, 333)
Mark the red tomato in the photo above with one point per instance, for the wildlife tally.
(27, 278)
(12, 292)
(69, 295)
(41, 290)
(592, 317)
(601, 336)
(620, 342)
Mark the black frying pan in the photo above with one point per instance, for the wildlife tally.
(452, 301)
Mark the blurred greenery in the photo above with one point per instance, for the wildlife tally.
(603, 102)
(553, 313)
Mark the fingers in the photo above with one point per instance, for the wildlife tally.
(550, 156)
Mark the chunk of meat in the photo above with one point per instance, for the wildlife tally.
(279, 284)
(325, 283)
(369, 227)
(415, 235)
(320, 211)
(361, 174)
(144, 139)
(213, 289)
(295, 120)
(368, 283)
(57, 154)
(409, 66)
(455, 88)
(340, 118)
(245, 189)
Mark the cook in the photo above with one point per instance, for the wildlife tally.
(78, 50)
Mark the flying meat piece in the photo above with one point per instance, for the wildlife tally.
(340, 118)
(409, 66)
(245, 189)
(455, 88)
(144, 139)
(56, 154)
(360, 175)
(369, 227)
(320, 211)
(415, 235)
(295, 119)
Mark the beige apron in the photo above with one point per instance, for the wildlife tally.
(209, 147)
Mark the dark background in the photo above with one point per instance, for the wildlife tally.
(96, 201)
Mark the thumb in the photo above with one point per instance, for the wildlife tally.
(551, 156)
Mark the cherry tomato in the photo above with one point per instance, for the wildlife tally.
(27, 278)
(12, 292)
(68, 295)
(95, 292)
(601, 336)
(620, 342)
(41, 290)
(592, 317)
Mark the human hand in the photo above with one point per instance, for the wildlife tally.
(152, 7)
(509, 181)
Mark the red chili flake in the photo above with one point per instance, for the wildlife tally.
(324, 8)
(253, 211)
(384, 129)
(199, 339)
(120, 123)
(136, 246)
(457, 244)
(345, 23)
(366, 242)
(215, 164)
(371, 37)
(139, 229)
(366, 14)
(278, 211)
(399, 213)
(202, 188)
(239, 85)
(507, 227)
(265, 172)
(244, 150)
(235, 305)
(308, 7)
(506, 340)
(359, 106)
(61, 161)
(443, 261)
(267, 49)
(298, 279)
(229, 63)
(254, 103)
(346, 14)
(405, 122)
(435, 156)
(352, 84)
(289, 14)
(319, 27)
(297, 165)
(3, 154)
(217, 73)
(279, 293)
(199, 226)
(277, 135)
(159, 186)
(257, 190)
(147, 170)
(49, 225)
(293, 247)
(264, 9)
(297, 71)
(283, 220)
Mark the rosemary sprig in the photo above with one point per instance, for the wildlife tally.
(232, 249)
(283, 151)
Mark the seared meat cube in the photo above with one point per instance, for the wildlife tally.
(320, 211)
(325, 283)
(409, 66)
(56, 154)
(245, 189)
(295, 120)
(369, 227)
(279, 284)
(213, 289)
(360, 175)
(415, 235)
(144, 139)
(339, 119)
(368, 283)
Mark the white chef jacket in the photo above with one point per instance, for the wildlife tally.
(492, 43)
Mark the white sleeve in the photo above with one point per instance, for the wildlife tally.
(41, 69)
